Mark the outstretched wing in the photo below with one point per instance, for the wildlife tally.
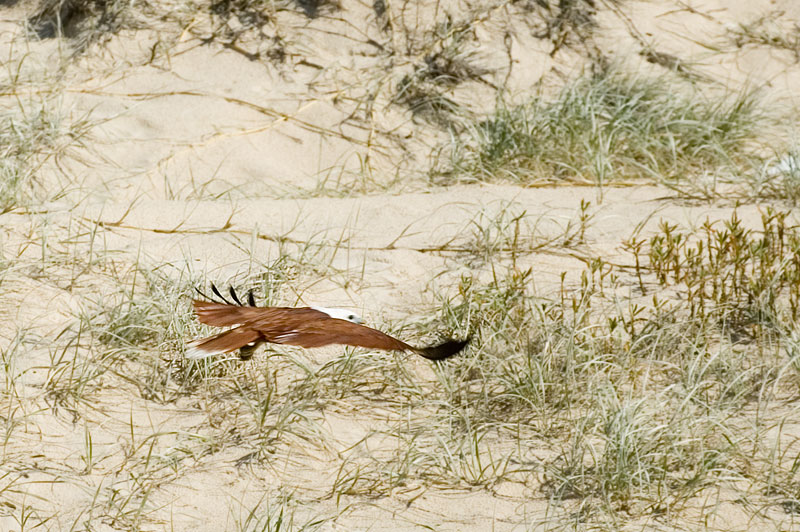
(324, 330)
(224, 315)
(223, 342)
(327, 330)
(304, 327)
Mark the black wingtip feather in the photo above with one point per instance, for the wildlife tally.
(234, 296)
(201, 293)
(443, 351)
(219, 295)
(251, 299)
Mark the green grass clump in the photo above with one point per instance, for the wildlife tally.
(606, 128)
(631, 455)
(124, 334)
(26, 139)
(157, 318)
(779, 177)
(275, 516)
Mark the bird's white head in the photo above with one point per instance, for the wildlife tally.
(340, 313)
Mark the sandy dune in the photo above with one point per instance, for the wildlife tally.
(284, 160)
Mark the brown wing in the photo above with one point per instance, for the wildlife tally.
(327, 330)
(323, 330)
(223, 342)
(304, 327)
(224, 315)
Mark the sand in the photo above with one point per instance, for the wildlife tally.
(204, 165)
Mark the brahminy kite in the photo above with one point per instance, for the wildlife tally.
(303, 326)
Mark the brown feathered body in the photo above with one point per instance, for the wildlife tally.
(304, 327)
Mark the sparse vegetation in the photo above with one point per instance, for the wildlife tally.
(605, 129)
(768, 31)
(779, 178)
(448, 59)
(735, 276)
(29, 136)
(633, 364)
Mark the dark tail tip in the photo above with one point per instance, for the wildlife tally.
(443, 351)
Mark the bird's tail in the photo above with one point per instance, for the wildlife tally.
(442, 351)
(240, 337)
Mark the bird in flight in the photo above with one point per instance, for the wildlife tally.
(303, 326)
